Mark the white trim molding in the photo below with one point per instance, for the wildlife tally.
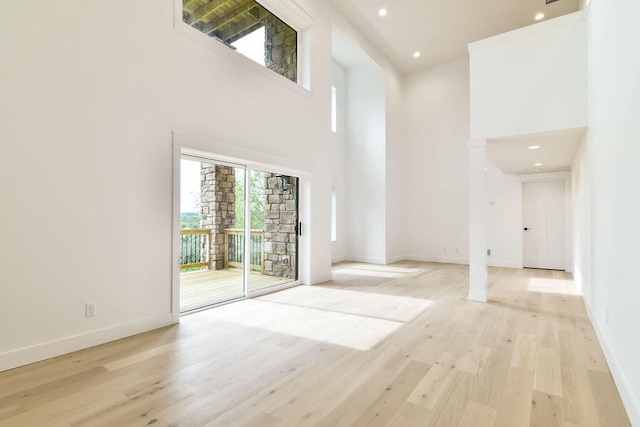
(629, 399)
(36, 353)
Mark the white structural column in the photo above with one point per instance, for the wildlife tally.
(477, 221)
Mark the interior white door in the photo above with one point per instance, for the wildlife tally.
(543, 225)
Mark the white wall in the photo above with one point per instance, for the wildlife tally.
(375, 151)
(89, 99)
(339, 164)
(366, 163)
(396, 171)
(514, 75)
(435, 191)
(606, 179)
(504, 218)
(526, 81)
(436, 103)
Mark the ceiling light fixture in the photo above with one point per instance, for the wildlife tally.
(382, 12)
(537, 165)
(416, 54)
(534, 147)
(539, 16)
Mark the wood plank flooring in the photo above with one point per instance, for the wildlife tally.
(202, 288)
(395, 345)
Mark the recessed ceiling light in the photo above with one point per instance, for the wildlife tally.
(382, 12)
(537, 164)
(539, 16)
(416, 54)
(534, 147)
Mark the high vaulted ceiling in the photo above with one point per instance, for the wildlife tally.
(550, 151)
(441, 29)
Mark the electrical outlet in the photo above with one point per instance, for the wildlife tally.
(489, 252)
(286, 260)
(90, 309)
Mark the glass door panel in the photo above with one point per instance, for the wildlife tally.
(273, 210)
(212, 240)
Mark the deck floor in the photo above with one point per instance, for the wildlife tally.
(202, 288)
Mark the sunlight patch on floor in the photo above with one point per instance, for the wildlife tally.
(353, 319)
(343, 329)
(370, 304)
(370, 270)
(553, 286)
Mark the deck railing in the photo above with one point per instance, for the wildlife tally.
(234, 249)
(194, 248)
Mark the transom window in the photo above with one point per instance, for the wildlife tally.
(249, 28)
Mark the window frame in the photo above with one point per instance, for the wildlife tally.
(290, 13)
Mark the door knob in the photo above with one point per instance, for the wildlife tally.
(526, 229)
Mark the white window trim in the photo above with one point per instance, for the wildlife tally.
(193, 148)
(291, 14)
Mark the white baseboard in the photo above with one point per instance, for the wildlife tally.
(504, 264)
(478, 296)
(630, 401)
(24, 356)
(338, 259)
(388, 260)
(444, 260)
(320, 279)
(398, 258)
(454, 260)
(368, 260)
(420, 258)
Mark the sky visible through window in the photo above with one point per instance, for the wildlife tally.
(252, 46)
(189, 186)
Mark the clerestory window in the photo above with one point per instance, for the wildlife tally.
(249, 28)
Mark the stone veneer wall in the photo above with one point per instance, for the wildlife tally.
(217, 207)
(280, 48)
(280, 228)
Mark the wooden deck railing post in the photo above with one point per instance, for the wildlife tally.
(231, 239)
(226, 248)
(204, 256)
(262, 254)
(207, 252)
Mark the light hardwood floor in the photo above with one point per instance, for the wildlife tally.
(379, 345)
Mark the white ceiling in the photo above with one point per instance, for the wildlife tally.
(557, 150)
(441, 29)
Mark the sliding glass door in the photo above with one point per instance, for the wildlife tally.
(274, 230)
(211, 233)
(239, 232)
